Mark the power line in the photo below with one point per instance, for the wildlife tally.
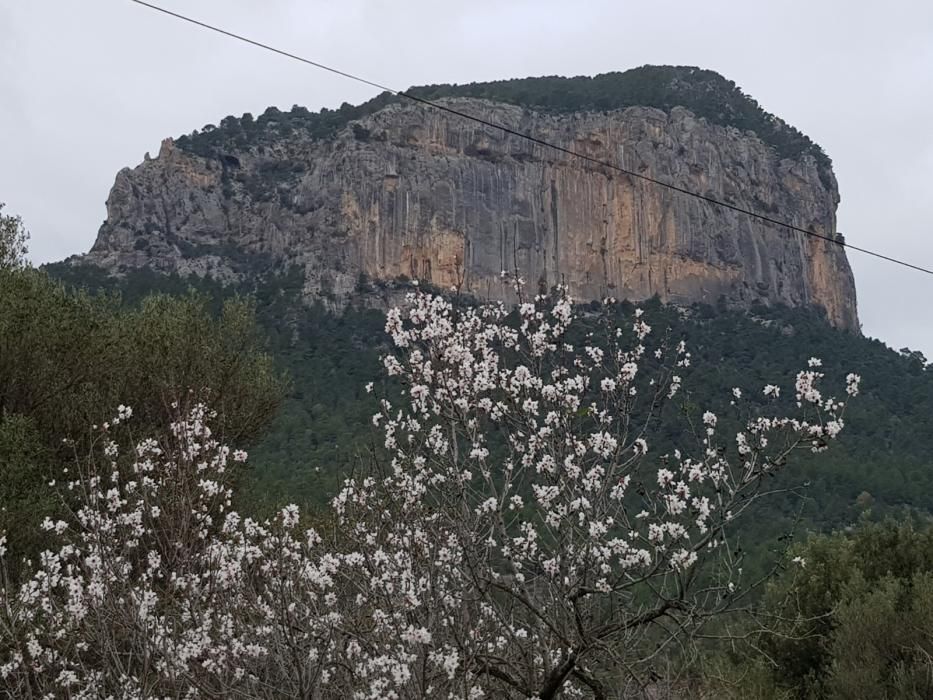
(528, 137)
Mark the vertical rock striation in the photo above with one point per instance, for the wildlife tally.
(417, 192)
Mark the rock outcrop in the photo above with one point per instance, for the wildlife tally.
(416, 192)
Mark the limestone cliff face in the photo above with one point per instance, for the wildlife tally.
(416, 192)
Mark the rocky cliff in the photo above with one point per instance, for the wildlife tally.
(405, 190)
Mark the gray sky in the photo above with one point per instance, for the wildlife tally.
(88, 86)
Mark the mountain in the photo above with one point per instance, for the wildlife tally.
(393, 189)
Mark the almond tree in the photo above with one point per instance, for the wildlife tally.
(13, 237)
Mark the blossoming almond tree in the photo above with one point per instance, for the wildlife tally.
(524, 536)
(523, 527)
(159, 590)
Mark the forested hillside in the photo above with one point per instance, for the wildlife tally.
(883, 463)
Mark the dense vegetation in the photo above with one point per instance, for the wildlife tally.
(853, 618)
(704, 92)
(68, 359)
(850, 619)
(324, 420)
(882, 464)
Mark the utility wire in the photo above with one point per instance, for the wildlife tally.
(528, 137)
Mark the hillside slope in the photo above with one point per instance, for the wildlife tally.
(882, 463)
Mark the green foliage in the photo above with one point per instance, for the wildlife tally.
(704, 92)
(68, 359)
(882, 646)
(323, 426)
(25, 499)
(244, 132)
(882, 460)
(856, 619)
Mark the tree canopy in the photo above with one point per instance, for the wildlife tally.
(704, 92)
(69, 358)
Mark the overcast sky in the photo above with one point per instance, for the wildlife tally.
(88, 86)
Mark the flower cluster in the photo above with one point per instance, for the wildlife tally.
(522, 486)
